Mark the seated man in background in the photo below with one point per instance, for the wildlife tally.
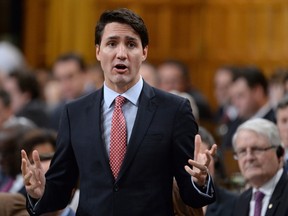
(174, 75)
(69, 70)
(260, 156)
(25, 93)
(7, 117)
(149, 73)
(282, 124)
(10, 159)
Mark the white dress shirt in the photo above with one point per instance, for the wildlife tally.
(129, 109)
(268, 190)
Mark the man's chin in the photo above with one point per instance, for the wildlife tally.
(252, 172)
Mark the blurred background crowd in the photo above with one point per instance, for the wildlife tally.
(40, 72)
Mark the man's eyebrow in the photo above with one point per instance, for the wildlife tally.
(131, 38)
(115, 37)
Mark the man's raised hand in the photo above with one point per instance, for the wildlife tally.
(33, 175)
(201, 162)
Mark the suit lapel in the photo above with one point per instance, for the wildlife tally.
(145, 113)
(243, 204)
(95, 128)
(276, 196)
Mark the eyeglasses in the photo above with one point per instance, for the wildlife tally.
(241, 153)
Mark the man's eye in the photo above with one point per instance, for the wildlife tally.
(131, 45)
(242, 152)
(256, 149)
(111, 44)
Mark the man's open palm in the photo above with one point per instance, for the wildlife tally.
(33, 175)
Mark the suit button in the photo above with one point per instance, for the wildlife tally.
(116, 188)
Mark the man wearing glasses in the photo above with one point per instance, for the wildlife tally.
(260, 156)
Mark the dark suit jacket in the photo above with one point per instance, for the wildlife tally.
(224, 204)
(233, 125)
(161, 143)
(277, 204)
(37, 112)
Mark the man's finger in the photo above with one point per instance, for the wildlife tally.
(208, 158)
(27, 178)
(36, 159)
(213, 150)
(24, 167)
(24, 156)
(195, 164)
(24, 163)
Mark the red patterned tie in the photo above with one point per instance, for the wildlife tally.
(118, 137)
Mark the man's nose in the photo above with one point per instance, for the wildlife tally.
(250, 154)
(122, 52)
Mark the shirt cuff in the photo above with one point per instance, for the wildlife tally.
(205, 190)
(33, 202)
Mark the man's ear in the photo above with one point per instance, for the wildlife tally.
(145, 53)
(97, 51)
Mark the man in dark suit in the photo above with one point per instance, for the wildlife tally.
(24, 91)
(249, 95)
(260, 156)
(282, 124)
(69, 70)
(159, 139)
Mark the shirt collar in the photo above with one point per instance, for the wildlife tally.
(269, 187)
(262, 111)
(132, 94)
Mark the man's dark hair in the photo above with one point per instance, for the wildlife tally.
(182, 68)
(9, 148)
(5, 98)
(37, 137)
(232, 69)
(123, 16)
(72, 57)
(26, 82)
(253, 76)
(283, 103)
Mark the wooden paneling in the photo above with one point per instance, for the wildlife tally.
(34, 32)
(204, 34)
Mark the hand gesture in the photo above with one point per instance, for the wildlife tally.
(33, 175)
(200, 163)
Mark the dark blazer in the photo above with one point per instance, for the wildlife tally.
(233, 125)
(161, 143)
(277, 204)
(224, 204)
(37, 112)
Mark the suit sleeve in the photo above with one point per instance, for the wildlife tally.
(62, 175)
(184, 133)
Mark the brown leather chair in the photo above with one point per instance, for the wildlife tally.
(12, 204)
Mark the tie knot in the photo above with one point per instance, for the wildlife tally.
(259, 196)
(119, 101)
